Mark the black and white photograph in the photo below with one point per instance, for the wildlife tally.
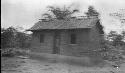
(62, 36)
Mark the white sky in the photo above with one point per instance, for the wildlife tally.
(25, 13)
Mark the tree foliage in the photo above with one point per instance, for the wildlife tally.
(91, 12)
(113, 48)
(60, 13)
(11, 38)
(8, 37)
(117, 39)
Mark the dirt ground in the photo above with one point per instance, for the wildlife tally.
(32, 65)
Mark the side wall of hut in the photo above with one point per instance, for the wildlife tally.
(87, 41)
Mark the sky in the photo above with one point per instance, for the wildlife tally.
(25, 13)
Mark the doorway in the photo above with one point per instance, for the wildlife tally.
(56, 47)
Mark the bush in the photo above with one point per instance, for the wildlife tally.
(8, 52)
(113, 54)
(11, 52)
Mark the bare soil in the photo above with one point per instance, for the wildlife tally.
(33, 65)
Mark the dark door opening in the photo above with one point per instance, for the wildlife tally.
(56, 48)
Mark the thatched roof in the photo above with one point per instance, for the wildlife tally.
(65, 24)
